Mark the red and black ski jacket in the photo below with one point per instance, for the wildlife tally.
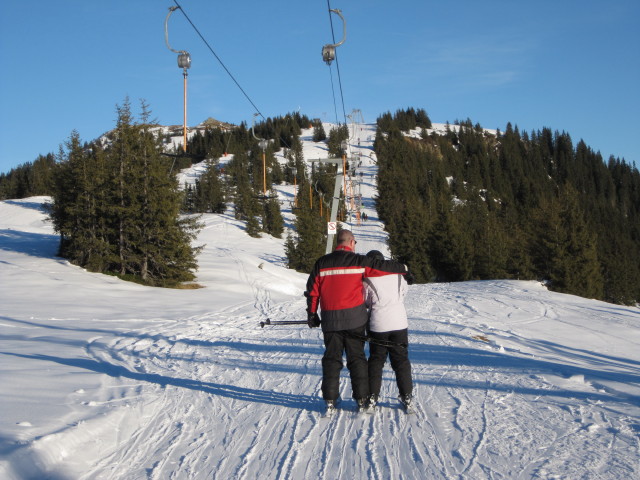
(335, 285)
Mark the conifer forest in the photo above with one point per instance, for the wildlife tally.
(467, 205)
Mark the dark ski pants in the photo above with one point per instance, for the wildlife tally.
(399, 357)
(335, 344)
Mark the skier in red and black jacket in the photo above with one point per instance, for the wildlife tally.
(335, 286)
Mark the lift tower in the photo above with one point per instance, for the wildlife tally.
(184, 62)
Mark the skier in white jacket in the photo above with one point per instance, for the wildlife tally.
(384, 296)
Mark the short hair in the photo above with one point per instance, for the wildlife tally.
(344, 236)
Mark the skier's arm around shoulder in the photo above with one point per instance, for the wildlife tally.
(377, 268)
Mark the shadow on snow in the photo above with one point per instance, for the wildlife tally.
(306, 402)
(35, 244)
(604, 368)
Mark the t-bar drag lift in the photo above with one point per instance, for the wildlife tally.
(263, 144)
(329, 50)
(184, 62)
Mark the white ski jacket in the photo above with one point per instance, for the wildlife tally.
(384, 296)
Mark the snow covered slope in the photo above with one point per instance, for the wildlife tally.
(104, 379)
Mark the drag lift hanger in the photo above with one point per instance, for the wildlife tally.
(329, 50)
(184, 62)
(262, 143)
(329, 55)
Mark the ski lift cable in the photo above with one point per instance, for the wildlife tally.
(333, 92)
(333, 88)
(226, 149)
(333, 36)
(218, 58)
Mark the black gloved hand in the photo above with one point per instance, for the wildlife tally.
(409, 278)
(313, 320)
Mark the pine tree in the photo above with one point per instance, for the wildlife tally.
(124, 188)
(117, 210)
(548, 241)
(309, 241)
(567, 250)
(319, 134)
(422, 119)
(450, 250)
(582, 268)
(272, 220)
(336, 137)
(70, 212)
(489, 242)
(246, 199)
(100, 251)
(209, 192)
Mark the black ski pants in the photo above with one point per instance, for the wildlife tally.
(335, 344)
(399, 356)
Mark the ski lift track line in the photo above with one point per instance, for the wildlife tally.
(219, 60)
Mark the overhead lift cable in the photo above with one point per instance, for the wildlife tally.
(333, 92)
(218, 58)
(333, 36)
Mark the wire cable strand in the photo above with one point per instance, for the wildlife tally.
(219, 60)
(333, 92)
(333, 37)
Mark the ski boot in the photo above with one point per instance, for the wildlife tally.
(373, 403)
(363, 405)
(331, 408)
(407, 403)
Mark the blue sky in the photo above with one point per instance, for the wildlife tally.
(571, 65)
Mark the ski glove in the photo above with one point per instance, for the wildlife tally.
(409, 278)
(313, 320)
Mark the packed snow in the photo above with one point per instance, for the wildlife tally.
(104, 379)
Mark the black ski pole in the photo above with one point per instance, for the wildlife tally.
(384, 343)
(268, 321)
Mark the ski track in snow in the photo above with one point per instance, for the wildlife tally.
(212, 395)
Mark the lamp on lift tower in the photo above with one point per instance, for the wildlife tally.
(184, 62)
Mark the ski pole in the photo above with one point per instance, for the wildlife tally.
(384, 343)
(268, 321)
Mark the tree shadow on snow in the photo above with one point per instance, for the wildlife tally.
(511, 364)
(35, 244)
(598, 360)
(38, 206)
(306, 402)
(303, 347)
